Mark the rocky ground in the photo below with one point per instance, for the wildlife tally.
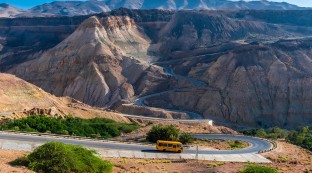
(287, 158)
(290, 158)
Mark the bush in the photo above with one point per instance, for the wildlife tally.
(185, 138)
(97, 127)
(55, 157)
(258, 169)
(236, 144)
(301, 136)
(168, 133)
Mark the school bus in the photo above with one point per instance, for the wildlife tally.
(169, 146)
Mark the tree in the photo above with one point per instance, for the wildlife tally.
(55, 157)
(261, 133)
(185, 138)
(168, 133)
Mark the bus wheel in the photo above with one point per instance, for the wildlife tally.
(164, 149)
(179, 151)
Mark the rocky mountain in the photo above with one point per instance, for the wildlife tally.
(190, 30)
(73, 8)
(257, 69)
(19, 98)
(255, 84)
(6, 10)
(200, 4)
(98, 64)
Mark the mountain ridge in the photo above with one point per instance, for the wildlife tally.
(73, 8)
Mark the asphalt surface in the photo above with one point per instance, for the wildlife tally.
(169, 71)
(257, 145)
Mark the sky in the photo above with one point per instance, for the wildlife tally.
(25, 4)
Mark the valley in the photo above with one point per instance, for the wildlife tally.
(224, 83)
(235, 71)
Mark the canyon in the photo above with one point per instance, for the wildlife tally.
(256, 69)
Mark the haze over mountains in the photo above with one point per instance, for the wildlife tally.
(72, 8)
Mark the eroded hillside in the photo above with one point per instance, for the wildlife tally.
(256, 70)
(19, 98)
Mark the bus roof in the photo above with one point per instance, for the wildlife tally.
(169, 142)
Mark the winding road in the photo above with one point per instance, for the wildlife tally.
(256, 145)
(169, 71)
(29, 142)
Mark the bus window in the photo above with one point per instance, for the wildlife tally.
(163, 145)
(174, 146)
(170, 145)
(179, 146)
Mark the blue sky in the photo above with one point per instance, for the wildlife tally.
(30, 3)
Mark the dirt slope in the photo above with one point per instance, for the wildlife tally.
(23, 99)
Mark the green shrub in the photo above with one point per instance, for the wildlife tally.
(55, 157)
(168, 133)
(261, 133)
(258, 169)
(185, 138)
(97, 127)
(236, 144)
(301, 136)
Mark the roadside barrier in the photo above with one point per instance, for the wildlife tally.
(274, 144)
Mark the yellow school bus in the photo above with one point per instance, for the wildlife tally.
(169, 146)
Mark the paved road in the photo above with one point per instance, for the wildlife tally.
(187, 58)
(257, 145)
(193, 115)
(166, 119)
(169, 71)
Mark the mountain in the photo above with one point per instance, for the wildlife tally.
(71, 8)
(189, 30)
(260, 85)
(19, 98)
(7, 10)
(200, 4)
(74, 8)
(257, 68)
(98, 64)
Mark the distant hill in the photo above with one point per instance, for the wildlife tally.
(200, 4)
(6, 10)
(73, 8)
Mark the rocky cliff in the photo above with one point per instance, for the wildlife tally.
(259, 75)
(98, 64)
(190, 30)
(255, 85)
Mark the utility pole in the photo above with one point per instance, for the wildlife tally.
(196, 156)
